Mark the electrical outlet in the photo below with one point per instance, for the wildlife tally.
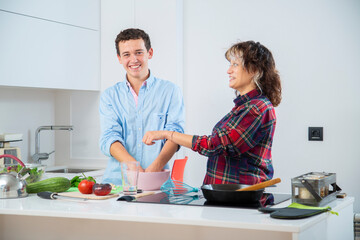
(315, 133)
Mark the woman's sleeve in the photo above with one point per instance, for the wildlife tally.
(239, 135)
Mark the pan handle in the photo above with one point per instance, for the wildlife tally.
(261, 185)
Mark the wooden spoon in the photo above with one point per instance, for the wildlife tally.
(261, 185)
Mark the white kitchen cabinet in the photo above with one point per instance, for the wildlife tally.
(46, 54)
(82, 13)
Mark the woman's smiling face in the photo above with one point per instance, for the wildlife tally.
(239, 78)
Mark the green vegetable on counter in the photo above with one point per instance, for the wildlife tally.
(55, 184)
(77, 179)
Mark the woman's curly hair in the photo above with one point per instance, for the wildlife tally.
(256, 58)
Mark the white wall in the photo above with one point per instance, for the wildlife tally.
(23, 110)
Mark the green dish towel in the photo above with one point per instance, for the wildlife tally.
(296, 211)
(115, 190)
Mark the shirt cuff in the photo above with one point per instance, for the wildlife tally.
(111, 141)
(194, 142)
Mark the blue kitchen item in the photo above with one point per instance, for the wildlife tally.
(174, 187)
(183, 199)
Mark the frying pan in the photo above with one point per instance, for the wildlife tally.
(236, 193)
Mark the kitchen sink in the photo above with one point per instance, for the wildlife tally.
(71, 170)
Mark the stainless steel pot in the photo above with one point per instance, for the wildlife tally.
(12, 186)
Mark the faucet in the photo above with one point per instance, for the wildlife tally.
(37, 157)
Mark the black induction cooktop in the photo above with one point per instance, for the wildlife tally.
(197, 199)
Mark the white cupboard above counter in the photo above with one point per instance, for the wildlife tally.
(42, 53)
(81, 13)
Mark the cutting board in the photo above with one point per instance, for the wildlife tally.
(87, 196)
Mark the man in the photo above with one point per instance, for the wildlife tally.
(140, 103)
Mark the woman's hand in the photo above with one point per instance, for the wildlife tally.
(154, 167)
(152, 136)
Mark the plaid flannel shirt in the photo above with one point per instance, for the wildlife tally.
(239, 148)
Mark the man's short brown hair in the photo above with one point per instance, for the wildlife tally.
(132, 34)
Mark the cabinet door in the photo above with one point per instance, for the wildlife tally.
(38, 53)
(82, 13)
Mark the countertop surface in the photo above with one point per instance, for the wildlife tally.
(111, 209)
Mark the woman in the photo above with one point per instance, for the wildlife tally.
(239, 148)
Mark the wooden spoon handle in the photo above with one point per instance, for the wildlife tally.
(261, 185)
(140, 195)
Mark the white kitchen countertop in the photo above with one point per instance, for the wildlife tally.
(111, 209)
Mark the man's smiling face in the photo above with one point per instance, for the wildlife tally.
(134, 58)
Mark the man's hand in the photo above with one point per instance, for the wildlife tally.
(118, 151)
(132, 166)
(152, 136)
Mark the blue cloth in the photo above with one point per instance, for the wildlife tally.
(160, 107)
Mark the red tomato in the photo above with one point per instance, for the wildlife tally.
(101, 189)
(85, 186)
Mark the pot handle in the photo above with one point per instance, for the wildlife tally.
(13, 157)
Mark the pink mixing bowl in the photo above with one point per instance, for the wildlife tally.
(150, 181)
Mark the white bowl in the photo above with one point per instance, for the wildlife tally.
(150, 181)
